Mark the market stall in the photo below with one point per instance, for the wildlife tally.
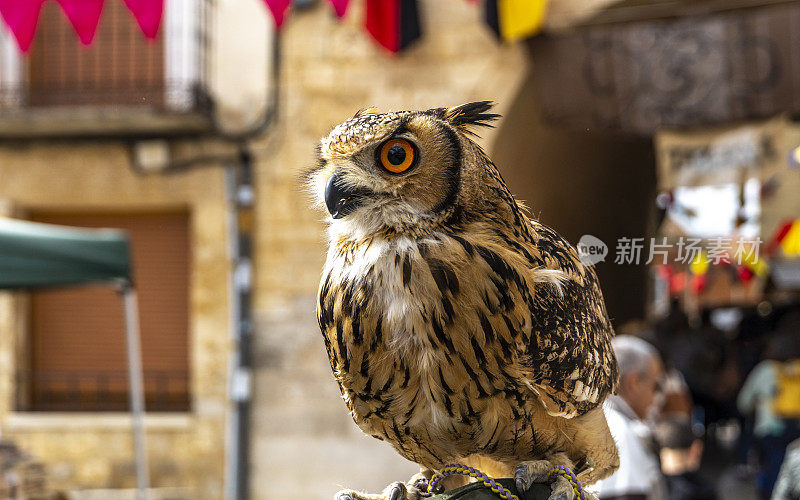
(34, 255)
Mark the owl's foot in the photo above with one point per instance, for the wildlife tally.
(395, 491)
(536, 471)
(421, 479)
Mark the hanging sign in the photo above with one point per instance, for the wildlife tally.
(718, 156)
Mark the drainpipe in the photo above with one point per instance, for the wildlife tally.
(240, 196)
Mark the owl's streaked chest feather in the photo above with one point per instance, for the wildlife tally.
(391, 271)
(455, 343)
(399, 296)
(416, 350)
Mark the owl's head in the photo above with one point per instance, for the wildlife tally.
(399, 170)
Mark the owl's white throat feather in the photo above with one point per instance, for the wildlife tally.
(402, 309)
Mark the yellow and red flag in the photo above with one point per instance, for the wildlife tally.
(787, 239)
(512, 20)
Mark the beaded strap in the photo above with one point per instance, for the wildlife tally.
(453, 469)
(573, 480)
(473, 473)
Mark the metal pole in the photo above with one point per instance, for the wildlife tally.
(232, 418)
(240, 198)
(245, 198)
(136, 389)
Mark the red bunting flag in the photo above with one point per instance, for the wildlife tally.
(278, 9)
(340, 6)
(148, 15)
(84, 16)
(393, 23)
(21, 17)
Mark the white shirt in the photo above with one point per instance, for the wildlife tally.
(639, 472)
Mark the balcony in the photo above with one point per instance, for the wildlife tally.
(121, 86)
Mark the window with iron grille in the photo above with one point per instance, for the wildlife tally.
(119, 69)
(76, 358)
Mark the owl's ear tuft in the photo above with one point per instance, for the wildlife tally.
(471, 114)
(366, 111)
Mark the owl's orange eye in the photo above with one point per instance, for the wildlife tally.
(397, 155)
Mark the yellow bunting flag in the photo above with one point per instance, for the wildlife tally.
(513, 20)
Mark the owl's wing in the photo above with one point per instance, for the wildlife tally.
(569, 358)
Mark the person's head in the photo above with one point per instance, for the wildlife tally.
(640, 372)
(681, 448)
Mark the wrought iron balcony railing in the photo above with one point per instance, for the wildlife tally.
(96, 391)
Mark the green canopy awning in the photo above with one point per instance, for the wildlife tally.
(36, 255)
(39, 255)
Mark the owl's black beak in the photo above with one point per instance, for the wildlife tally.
(340, 199)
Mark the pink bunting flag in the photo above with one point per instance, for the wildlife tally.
(340, 6)
(84, 16)
(278, 9)
(148, 14)
(21, 16)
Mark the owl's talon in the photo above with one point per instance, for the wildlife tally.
(421, 484)
(527, 473)
(522, 478)
(420, 481)
(561, 490)
(397, 492)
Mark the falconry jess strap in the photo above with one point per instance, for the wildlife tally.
(496, 487)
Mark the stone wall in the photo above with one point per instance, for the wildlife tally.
(95, 450)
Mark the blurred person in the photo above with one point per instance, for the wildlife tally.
(639, 475)
(691, 361)
(771, 398)
(750, 347)
(681, 452)
(675, 397)
(710, 367)
(788, 485)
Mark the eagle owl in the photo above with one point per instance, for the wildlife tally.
(458, 329)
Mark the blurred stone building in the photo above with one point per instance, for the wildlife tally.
(68, 115)
(126, 133)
